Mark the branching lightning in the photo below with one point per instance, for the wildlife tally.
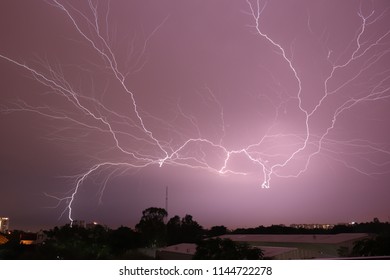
(271, 160)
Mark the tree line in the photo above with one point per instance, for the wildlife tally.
(99, 242)
(155, 231)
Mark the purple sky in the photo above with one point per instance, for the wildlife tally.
(257, 112)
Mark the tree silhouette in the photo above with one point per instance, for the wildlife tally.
(217, 231)
(378, 246)
(174, 233)
(184, 230)
(191, 230)
(152, 226)
(123, 239)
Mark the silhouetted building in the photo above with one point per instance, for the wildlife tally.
(28, 238)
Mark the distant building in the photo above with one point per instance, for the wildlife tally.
(4, 224)
(41, 237)
(313, 226)
(28, 238)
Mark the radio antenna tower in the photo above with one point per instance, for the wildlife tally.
(166, 199)
(166, 204)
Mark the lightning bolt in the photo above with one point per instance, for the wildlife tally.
(191, 151)
(256, 10)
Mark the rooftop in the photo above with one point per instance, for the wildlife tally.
(296, 238)
(270, 251)
(183, 248)
(3, 239)
(190, 249)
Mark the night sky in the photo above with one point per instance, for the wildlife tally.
(252, 113)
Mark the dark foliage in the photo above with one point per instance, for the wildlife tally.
(77, 243)
(152, 227)
(377, 246)
(217, 231)
(124, 239)
(185, 230)
(375, 227)
(100, 242)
